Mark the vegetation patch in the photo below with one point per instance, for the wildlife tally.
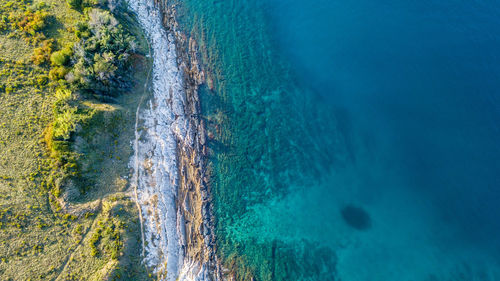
(71, 76)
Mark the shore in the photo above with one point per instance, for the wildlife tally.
(170, 158)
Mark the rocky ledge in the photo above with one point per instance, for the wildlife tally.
(194, 198)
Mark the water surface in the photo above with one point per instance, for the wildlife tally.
(388, 108)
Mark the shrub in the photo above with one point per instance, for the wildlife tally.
(3, 23)
(94, 240)
(41, 54)
(115, 252)
(74, 4)
(9, 89)
(67, 50)
(57, 73)
(59, 58)
(56, 191)
(30, 22)
(48, 134)
(79, 229)
(82, 30)
(104, 67)
(42, 80)
(62, 96)
(41, 5)
(65, 123)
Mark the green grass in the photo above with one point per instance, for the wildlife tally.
(53, 226)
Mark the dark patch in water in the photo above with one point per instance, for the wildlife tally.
(356, 217)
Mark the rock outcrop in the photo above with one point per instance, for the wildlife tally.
(169, 165)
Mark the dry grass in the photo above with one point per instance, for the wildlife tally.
(37, 242)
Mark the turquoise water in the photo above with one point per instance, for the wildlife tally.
(353, 140)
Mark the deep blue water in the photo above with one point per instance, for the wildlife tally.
(422, 79)
(392, 107)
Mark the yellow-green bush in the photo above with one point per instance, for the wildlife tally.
(65, 123)
(30, 22)
(42, 80)
(42, 54)
(9, 89)
(59, 58)
(58, 73)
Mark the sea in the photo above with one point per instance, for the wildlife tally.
(352, 139)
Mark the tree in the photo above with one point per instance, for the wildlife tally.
(100, 59)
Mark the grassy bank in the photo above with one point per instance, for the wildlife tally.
(65, 209)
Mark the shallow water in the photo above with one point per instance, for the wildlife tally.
(392, 108)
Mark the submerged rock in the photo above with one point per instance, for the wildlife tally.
(356, 217)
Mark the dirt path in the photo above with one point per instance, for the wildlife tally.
(69, 258)
(136, 152)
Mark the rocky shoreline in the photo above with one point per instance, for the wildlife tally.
(194, 194)
(170, 160)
